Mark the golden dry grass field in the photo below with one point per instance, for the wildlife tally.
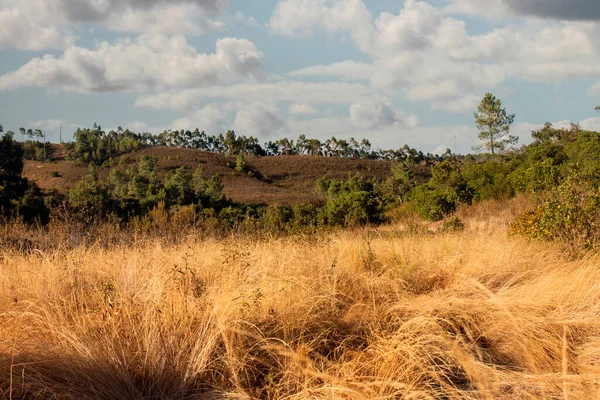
(379, 313)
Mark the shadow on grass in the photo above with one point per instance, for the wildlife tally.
(67, 377)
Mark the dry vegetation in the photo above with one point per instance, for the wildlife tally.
(384, 313)
(284, 180)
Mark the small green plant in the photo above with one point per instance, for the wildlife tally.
(240, 163)
(55, 174)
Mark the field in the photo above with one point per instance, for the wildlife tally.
(396, 312)
(284, 180)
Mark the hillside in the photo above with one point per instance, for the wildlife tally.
(281, 180)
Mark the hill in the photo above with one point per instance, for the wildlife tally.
(281, 180)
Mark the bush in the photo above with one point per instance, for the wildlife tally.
(240, 163)
(18, 196)
(434, 204)
(571, 216)
(305, 217)
(276, 218)
(352, 202)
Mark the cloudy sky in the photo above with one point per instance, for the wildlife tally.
(395, 72)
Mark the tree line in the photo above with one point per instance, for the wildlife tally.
(556, 158)
(97, 146)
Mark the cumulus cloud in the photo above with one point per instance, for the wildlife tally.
(427, 55)
(414, 28)
(259, 119)
(302, 109)
(209, 119)
(20, 31)
(48, 24)
(305, 17)
(151, 62)
(168, 18)
(378, 113)
(412, 51)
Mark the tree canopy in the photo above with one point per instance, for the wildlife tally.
(494, 124)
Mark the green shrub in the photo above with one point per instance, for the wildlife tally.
(304, 217)
(351, 202)
(571, 216)
(55, 174)
(276, 218)
(433, 204)
(240, 163)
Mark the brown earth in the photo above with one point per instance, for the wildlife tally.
(281, 180)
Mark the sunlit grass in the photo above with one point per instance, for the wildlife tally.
(367, 314)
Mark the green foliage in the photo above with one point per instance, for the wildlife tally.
(240, 163)
(395, 189)
(97, 147)
(570, 216)
(444, 191)
(489, 179)
(18, 196)
(352, 202)
(33, 150)
(494, 124)
(179, 187)
(276, 218)
(584, 153)
(91, 196)
(305, 217)
(447, 177)
(433, 204)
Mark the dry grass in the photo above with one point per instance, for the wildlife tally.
(372, 314)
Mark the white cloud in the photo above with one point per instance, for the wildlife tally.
(378, 113)
(490, 9)
(305, 17)
(149, 63)
(346, 70)
(302, 109)
(414, 28)
(209, 119)
(259, 119)
(591, 123)
(239, 18)
(20, 31)
(48, 24)
(280, 91)
(169, 19)
(426, 55)
(52, 129)
(441, 149)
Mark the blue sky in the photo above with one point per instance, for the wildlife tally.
(394, 72)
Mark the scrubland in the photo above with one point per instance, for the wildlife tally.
(395, 312)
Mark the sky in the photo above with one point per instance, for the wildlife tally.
(394, 72)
